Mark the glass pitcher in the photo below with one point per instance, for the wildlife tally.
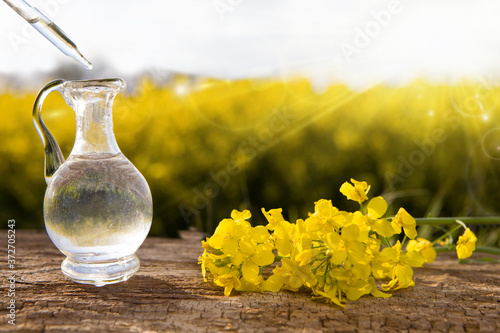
(97, 207)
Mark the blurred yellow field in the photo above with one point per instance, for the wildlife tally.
(208, 146)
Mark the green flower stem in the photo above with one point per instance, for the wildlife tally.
(404, 239)
(362, 207)
(453, 220)
(482, 249)
(462, 224)
(448, 233)
(486, 249)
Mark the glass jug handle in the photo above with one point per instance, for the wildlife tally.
(53, 155)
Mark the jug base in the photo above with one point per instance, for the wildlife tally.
(101, 273)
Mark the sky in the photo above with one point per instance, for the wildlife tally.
(358, 43)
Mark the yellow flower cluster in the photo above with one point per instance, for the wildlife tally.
(336, 254)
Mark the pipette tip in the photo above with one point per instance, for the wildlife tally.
(82, 60)
(88, 66)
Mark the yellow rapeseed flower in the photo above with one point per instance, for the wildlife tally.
(357, 191)
(229, 281)
(376, 207)
(424, 247)
(402, 272)
(466, 244)
(273, 284)
(273, 216)
(283, 238)
(404, 220)
(237, 215)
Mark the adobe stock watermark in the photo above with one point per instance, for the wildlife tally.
(424, 149)
(222, 7)
(371, 30)
(247, 149)
(11, 272)
(48, 7)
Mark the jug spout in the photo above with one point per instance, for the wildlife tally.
(53, 155)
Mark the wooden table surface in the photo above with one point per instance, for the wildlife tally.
(168, 295)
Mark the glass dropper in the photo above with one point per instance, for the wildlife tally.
(48, 29)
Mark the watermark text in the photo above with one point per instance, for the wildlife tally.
(11, 273)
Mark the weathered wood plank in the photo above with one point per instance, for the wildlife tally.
(168, 295)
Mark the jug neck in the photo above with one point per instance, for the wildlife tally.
(94, 130)
(92, 104)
